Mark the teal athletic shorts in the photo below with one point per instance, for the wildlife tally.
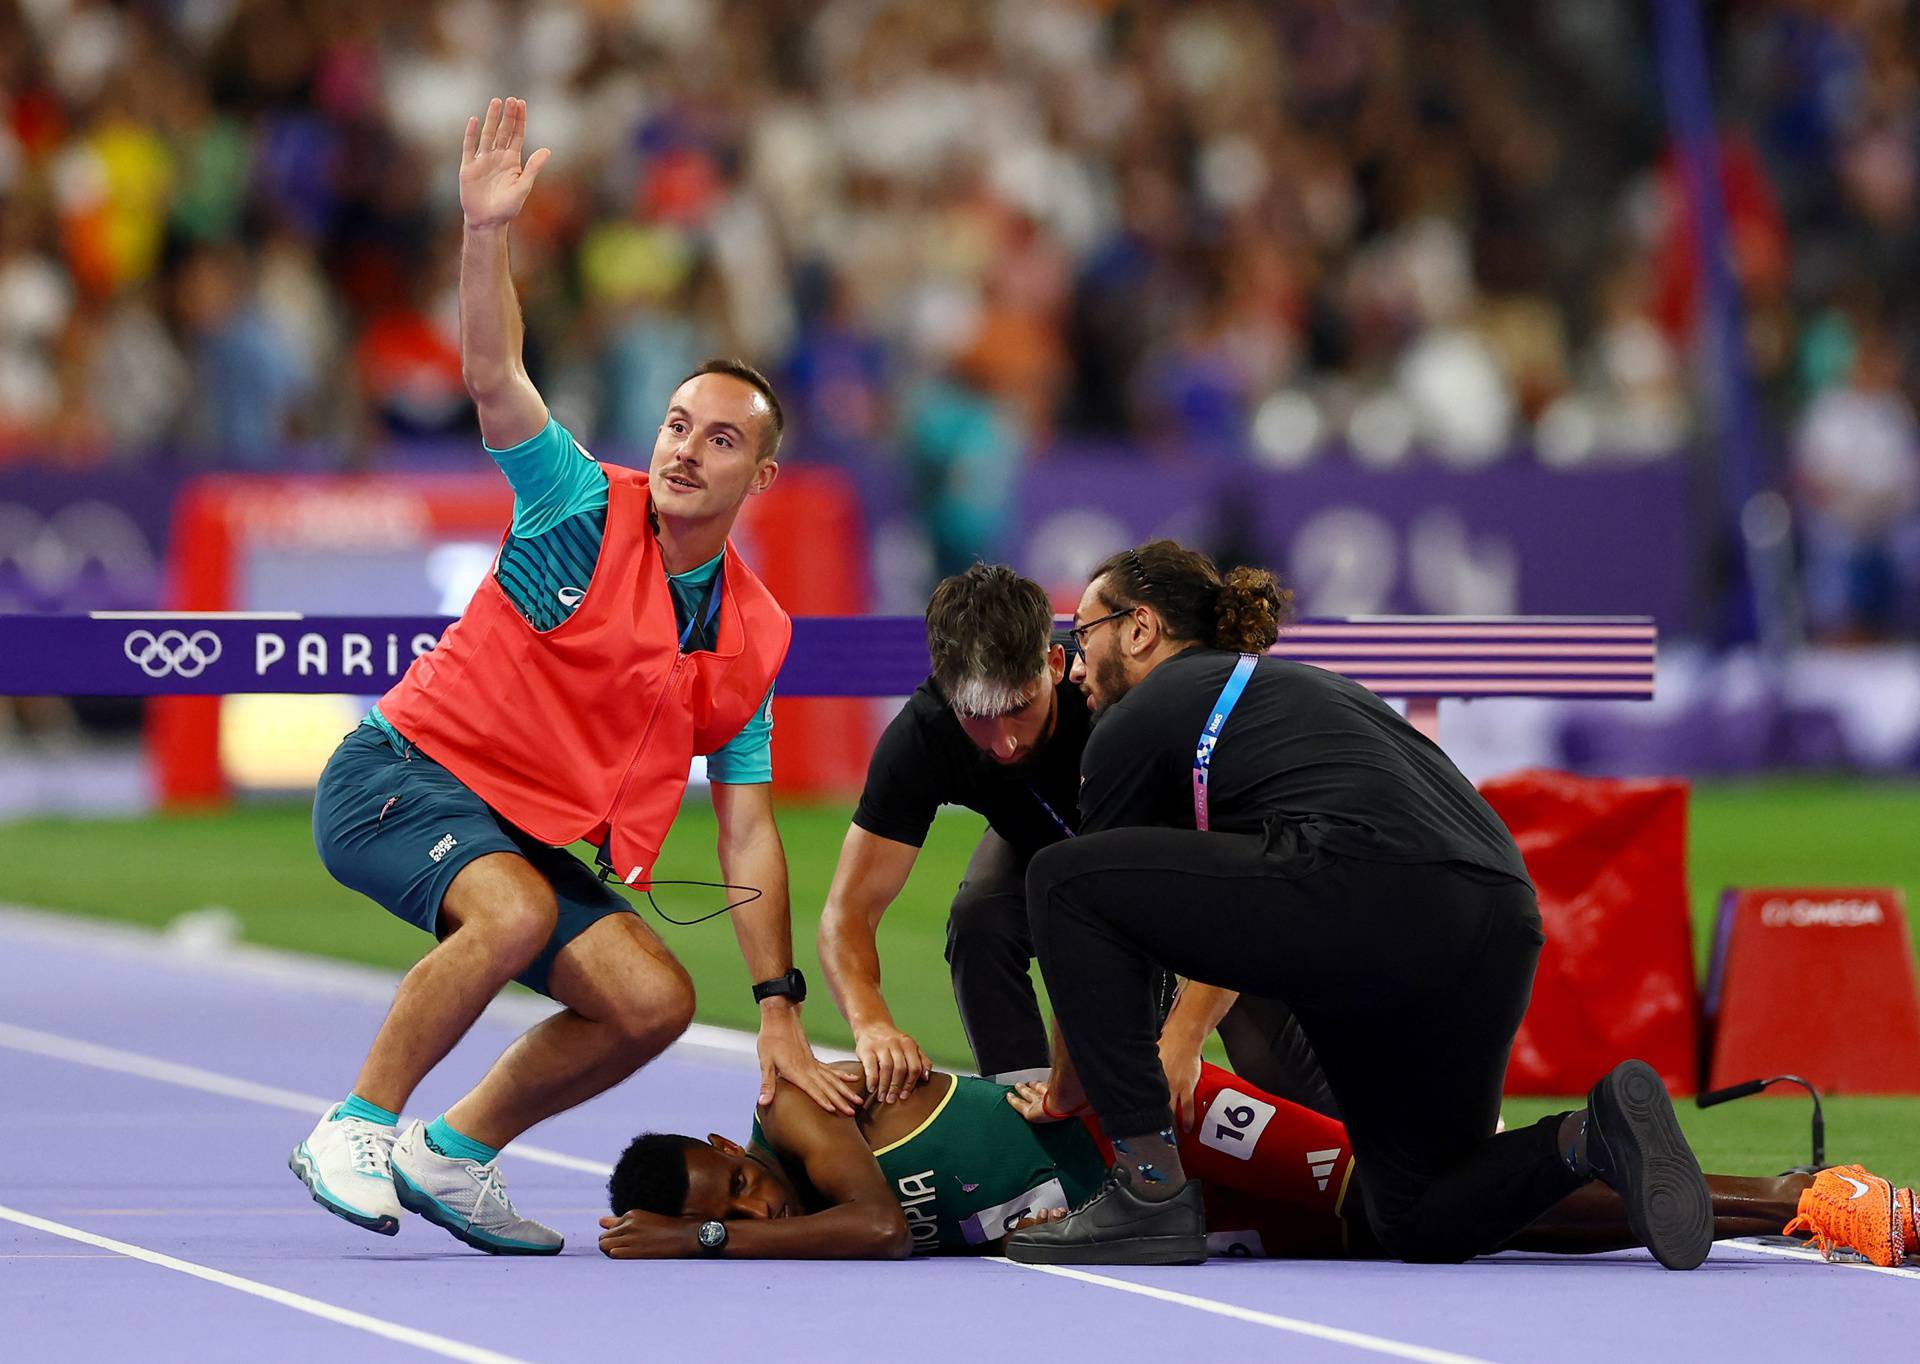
(396, 826)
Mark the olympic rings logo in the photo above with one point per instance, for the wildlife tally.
(173, 651)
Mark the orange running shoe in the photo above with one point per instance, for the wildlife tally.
(1847, 1208)
(1903, 1202)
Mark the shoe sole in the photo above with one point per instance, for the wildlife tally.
(417, 1200)
(1668, 1204)
(1132, 1250)
(302, 1166)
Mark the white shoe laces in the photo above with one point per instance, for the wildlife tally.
(369, 1152)
(494, 1183)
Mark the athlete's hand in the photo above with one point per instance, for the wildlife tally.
(639, 1235)
(1029, 1100)
(893, 1061)
(493, 183)
(1181, 1062)
(785, 1055)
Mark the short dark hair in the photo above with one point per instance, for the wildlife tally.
(987, 634)
(651, 1175)
(761, 384)
(1242, 611)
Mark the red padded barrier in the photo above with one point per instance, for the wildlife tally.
(1616, 976)
(1815, 983)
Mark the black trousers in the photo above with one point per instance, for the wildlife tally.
(1409, 983)
(1267, 1046)
(990, 953)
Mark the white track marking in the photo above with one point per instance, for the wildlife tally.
(59, 1048)
(1359, 1340)
(320, 975)
(1791, 1253)
(299, 1302)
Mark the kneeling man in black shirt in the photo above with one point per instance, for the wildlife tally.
(998, 729)
(1269, 827)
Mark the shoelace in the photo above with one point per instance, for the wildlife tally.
(369, 1155)
(493, 1182)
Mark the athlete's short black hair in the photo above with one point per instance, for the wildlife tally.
(761, 384)
(651, 1175)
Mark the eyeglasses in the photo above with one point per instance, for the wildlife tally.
(1080, 632)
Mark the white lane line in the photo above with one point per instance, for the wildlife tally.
(1791, 1253)
(59, 1048)
(299, 1302)
(319, 975)
(1359, 1340)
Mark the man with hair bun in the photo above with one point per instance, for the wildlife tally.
(1265, 826)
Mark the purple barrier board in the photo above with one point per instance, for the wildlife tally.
(223, 653)
(212, 653)
(1513, 539)
(83, 541)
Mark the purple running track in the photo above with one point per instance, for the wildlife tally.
(154, 1095)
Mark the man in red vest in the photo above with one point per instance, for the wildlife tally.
(619, 635)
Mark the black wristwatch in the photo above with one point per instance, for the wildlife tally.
(713, 1237)
(792, 985)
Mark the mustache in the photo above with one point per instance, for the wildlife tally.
(681, 471)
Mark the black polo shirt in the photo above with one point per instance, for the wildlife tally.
(1304, 746)
(924, 760)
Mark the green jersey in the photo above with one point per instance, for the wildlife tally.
(975, 1167)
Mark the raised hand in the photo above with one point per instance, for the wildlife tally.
(493, 182)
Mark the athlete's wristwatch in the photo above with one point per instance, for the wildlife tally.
(792, 986)
(713, 1237)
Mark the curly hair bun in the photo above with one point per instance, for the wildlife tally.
(1252, 608)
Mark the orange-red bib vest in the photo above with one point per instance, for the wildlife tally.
(588, 729)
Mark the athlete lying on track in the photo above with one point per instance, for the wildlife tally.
(958, 1163)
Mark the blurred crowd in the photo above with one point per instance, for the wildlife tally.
(966, 230)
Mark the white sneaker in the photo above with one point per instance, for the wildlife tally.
(344, 1164)
(466, 1197)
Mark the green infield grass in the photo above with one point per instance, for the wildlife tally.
(258, 862)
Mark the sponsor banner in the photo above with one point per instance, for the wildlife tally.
(82, 541)
(1774, 949)
(223, 654)
(1514, 539)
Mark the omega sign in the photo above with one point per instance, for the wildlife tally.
(1804, 913)
(315, 655)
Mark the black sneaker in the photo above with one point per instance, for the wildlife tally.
(1118, 1227)
(1636, 1147)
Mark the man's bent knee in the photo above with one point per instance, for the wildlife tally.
(503, 902)
(986, 923)
(653, 1023)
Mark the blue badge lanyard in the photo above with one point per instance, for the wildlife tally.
(1210, 736)
(713, 609)
(1066, 829)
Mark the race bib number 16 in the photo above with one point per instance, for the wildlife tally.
(1234, 1122)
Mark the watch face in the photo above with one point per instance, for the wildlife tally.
(713, 1235)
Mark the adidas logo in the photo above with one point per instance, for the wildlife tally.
(1320, 1165)
(442, 848)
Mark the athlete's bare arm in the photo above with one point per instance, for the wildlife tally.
(862, 1220)
(494, 185)
(868, 878)
(751, 855)
(1196, 1013)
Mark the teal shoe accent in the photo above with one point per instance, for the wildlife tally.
(448, 1141)
(301, 1163)
(357, 1107)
